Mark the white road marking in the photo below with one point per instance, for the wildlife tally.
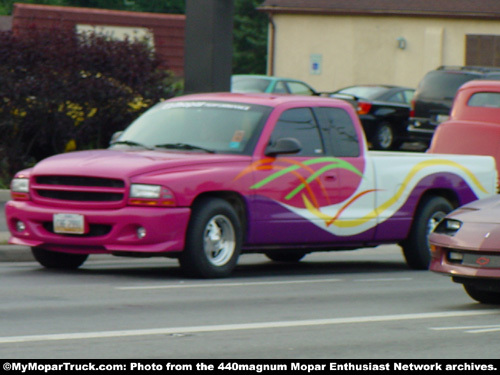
(470, 329)
(239, 327)
(212, 285)
(384, 279)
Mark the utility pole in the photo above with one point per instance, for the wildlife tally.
(208, 45)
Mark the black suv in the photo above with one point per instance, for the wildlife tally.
(433, 99)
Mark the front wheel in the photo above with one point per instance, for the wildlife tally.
(416, 247)
(213, 240)
(57, 260)
(482, 295)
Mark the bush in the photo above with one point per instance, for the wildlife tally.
(60, 91)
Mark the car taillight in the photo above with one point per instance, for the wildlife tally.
(412, 109)
(364, 108)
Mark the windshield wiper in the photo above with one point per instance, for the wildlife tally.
(184, 146)
(130, 143)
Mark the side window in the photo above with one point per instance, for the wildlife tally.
(341, 130)
(485, 99)
(408, 96)
(280, 88)
(397, 98)
(299, 88)
(299, 123)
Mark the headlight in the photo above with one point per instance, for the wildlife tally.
(20, 188)
(151, 195)
(145, 191)
(20, 185)
(448, 226)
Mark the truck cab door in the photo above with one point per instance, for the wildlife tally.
(352, 213)
(291, 188)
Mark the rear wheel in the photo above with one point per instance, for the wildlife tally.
(53, 259)
(213, 240)
(416, 247)
(383, 139)
(482, 295)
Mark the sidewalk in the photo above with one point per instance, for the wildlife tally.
(11, 253)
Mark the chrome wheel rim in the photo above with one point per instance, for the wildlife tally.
(385, 136)
(433, 222)
(219, 240)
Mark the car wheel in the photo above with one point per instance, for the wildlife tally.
(383, 138)
(285, 256)
(213, 240)
(54, 259)
(416, 249)
(482, 295)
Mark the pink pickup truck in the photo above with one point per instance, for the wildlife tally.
(206, 177)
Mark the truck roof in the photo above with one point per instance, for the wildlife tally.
(270, 100)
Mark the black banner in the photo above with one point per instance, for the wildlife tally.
(248, 366)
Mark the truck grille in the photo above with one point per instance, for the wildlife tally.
(79, 181)
(79, 189)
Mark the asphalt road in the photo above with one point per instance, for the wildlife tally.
(344, 305)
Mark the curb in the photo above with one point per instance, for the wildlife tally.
(15, 253)
(4, 195)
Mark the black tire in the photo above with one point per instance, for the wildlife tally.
(285, 256)
(481, 295)
(57, 260)
(383, 138)
(213, 240)
(416, 247)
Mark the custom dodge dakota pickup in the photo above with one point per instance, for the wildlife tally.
(205, 177)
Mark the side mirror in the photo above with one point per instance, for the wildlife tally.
(284, 146)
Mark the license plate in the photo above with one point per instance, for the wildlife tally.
(69, 223)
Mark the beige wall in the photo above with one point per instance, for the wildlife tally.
(358, 50)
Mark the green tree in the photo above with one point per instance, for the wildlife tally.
(250, 38)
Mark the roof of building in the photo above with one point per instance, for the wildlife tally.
(481, 9)
(167, 29)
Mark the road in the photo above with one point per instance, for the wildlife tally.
(360, 304)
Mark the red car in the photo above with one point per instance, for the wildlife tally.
(466, 244)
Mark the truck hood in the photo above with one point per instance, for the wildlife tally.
(121, 164)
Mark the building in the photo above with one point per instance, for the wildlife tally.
(336, 43)
(164, 31)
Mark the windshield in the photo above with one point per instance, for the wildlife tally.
(443, 85)
(199, 126)
(363, 92)
(249, 84)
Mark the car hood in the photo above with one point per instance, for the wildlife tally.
(481, 211)
(121, 164)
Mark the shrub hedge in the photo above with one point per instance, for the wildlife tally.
(61, 91)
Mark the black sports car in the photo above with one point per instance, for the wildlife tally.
(383, 110)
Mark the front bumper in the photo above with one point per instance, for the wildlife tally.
(110, 231)
(463, 262)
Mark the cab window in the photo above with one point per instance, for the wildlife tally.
(341, 131)
(299, 123)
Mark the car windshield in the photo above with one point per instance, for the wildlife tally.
(198, 126)
(363, 92)
(442, 84)
(249, 84)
